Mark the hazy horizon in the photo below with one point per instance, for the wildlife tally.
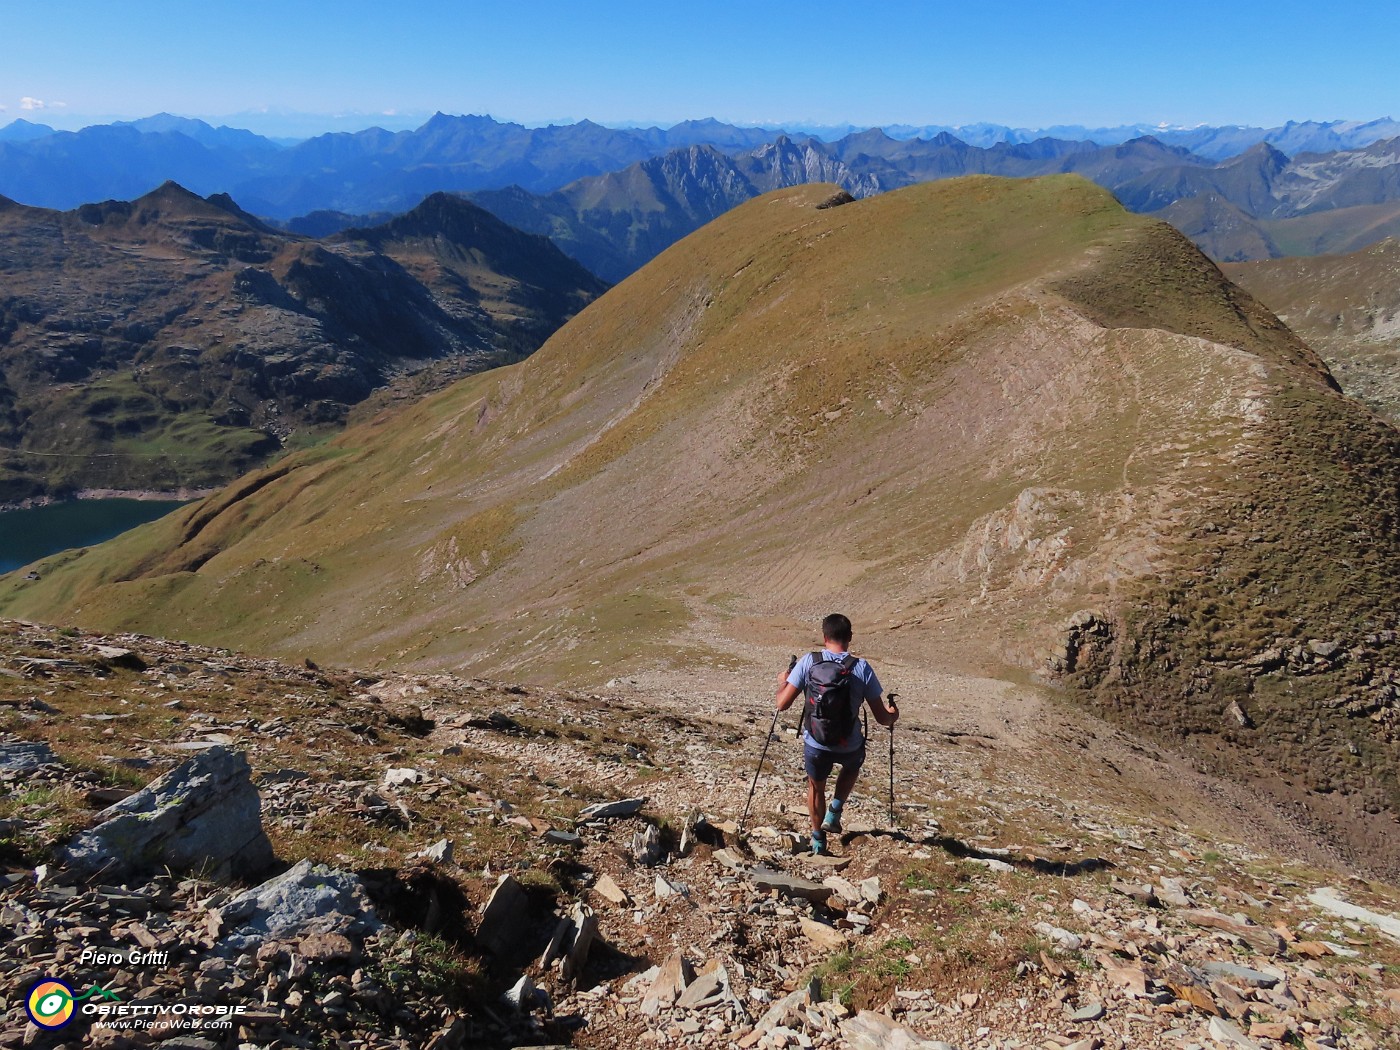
(1020, 64)
(288, 125)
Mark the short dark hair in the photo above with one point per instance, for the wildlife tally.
(837, 628)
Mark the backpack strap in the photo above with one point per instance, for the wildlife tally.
(848, 664)
(807, 694)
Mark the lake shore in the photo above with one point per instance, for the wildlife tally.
(163, 495)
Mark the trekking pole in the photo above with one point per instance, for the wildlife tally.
(766, 741)
(891, 729)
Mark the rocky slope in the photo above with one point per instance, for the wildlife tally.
(173, 341)
(1028, 431)
(462, 863)
(1345, 306)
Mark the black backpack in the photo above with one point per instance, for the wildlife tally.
(829, 714)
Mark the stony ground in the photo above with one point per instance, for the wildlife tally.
(1041, 881)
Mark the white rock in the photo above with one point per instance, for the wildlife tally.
(1064, 938)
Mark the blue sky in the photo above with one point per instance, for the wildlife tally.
(1020, 63)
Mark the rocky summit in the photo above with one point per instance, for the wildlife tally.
(174, 342)
(465, 863)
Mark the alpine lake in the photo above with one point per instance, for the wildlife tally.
(36, 532)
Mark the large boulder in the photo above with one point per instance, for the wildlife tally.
(305, 900)
(203, 816)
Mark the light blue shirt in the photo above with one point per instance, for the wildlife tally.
(862, 672)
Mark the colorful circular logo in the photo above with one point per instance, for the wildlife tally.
(50, 1003)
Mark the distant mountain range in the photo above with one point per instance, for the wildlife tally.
(367, 171)
(1213, 143)
(1255, 206)
(613, 198)
(175, 341)
(375, 170)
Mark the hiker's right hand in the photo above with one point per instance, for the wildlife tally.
(783, 675)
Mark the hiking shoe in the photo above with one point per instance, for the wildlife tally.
(818, 843)
(832, 821)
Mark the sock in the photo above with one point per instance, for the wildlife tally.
(836, 805)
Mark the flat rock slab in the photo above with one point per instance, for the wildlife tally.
(710, 988)
(730, 860)
(1329, 899)
(306, 899)
(24, 757)
(118, 657)
(872, 1031)
(1087, 1012)
(1240, 974)
(822, 935)
(788, 886)
(625, 807)
(1226, 1032)
(1266, 942)
(204, 815)
(822, 860)
(607, 888)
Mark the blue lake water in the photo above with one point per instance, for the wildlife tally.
(27, 535)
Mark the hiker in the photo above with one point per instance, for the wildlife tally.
(836, 684)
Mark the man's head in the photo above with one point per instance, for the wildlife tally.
(836, 628)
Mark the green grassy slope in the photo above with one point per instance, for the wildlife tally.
(964, 412)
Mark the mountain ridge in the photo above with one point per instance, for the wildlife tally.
(375, 170)
(1029, 429)
(1250, 206)
(174, 341)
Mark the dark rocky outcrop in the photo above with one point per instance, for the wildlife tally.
(203, 816)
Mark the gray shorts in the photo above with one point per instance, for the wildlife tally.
(818, 762)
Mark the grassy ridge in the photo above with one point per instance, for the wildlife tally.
(963, 412)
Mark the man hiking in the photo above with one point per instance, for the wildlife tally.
(836, 684)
